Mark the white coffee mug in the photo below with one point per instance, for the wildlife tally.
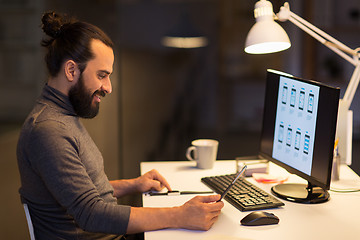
(204, 151)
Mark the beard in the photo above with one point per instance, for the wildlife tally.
(82, 100)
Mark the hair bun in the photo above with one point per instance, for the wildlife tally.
(52, 23)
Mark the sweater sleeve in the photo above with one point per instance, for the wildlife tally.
(55, 157)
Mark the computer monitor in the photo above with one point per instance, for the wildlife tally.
(298, 133)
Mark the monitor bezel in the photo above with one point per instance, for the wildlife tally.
(328, 110)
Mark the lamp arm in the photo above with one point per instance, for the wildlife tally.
(324, 38)
(339, 48)
(332, 43)
(353, 84)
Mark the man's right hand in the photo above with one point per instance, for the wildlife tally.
(200, 213)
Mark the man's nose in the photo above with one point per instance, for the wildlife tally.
(107, 86)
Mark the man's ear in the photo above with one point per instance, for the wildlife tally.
(71, 70)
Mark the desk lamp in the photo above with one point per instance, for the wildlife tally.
(267, 36)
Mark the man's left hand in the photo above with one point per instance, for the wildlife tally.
(151, 180)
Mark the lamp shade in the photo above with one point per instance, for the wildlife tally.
(266, 36)
(184, 42)
(184, 35)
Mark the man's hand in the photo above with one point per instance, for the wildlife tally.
(200, 213)
(151, 180)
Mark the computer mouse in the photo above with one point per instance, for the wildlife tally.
(259, 218)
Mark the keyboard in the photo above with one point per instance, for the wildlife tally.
(244, 195)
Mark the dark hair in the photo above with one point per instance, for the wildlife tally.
(67, 39)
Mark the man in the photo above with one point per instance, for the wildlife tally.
(62, 175)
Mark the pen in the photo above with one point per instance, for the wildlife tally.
(232, 183)
(336, 143)
(175, 192)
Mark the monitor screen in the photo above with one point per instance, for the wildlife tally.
(298, 133)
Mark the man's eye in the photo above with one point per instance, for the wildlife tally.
(101, 76)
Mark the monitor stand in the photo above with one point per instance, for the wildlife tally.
(301, 193)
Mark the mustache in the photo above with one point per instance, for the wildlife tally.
(99, 92)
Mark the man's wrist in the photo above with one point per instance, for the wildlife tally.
(175, 217)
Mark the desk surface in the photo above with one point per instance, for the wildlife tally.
(336, 219)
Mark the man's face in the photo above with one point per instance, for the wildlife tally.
(94, 83)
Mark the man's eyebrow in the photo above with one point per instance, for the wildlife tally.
(104, 71)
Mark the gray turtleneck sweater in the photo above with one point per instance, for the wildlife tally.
(62, 175)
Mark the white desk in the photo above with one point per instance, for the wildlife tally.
(338, 218)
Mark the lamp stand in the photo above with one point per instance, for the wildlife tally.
(344, 129)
